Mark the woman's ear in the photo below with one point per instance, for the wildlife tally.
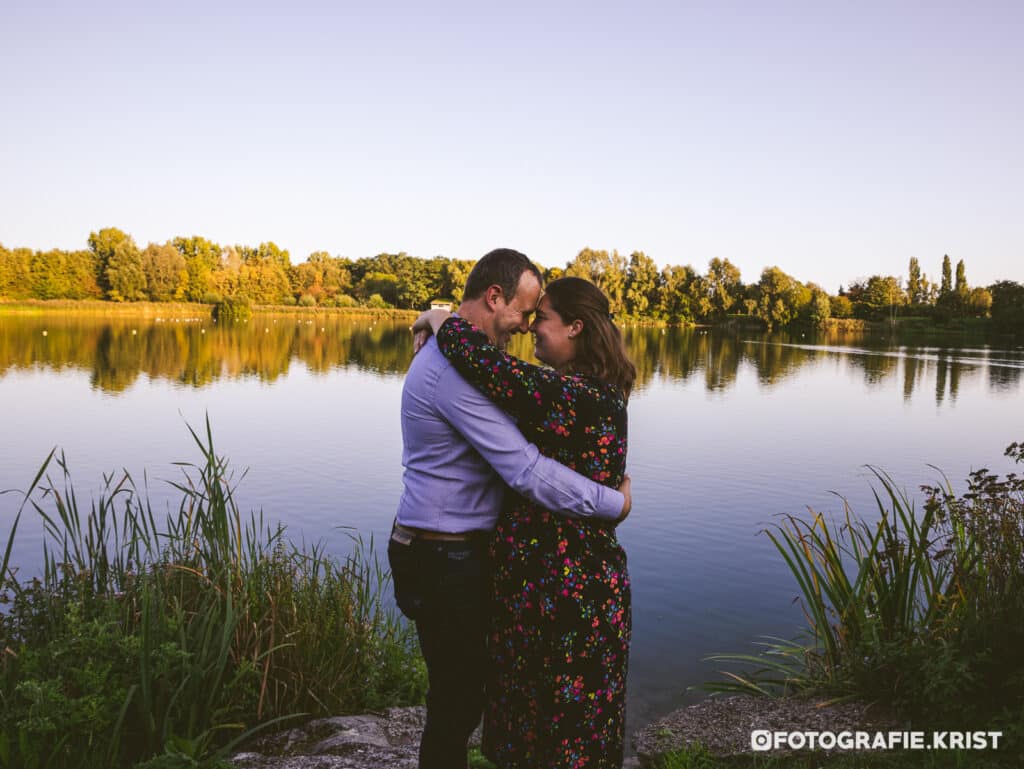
(575, 328)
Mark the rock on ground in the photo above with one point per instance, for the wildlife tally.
(723, 726)
(389, 740)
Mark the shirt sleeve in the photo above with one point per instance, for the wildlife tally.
(518, 462)
(517, 386)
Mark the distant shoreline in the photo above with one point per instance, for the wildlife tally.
(173, 309)
(103, 307)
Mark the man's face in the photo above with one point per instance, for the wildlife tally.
(513, 317)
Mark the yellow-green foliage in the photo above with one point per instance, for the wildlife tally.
(148, 637)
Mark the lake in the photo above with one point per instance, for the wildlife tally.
(728, 429)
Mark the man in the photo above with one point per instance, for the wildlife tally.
(459, 452)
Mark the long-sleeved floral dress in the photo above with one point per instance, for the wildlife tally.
(559, 639)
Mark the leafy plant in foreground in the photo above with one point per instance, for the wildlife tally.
(922, 612)
(173, 640)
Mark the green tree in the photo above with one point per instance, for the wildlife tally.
(914, 289)
(335, 277)
(263, 274)
(454, 278)
(264, 282)
(166, 272)
(946, 287)
(225, 279)
(103, 243)
(382, 284)
(781, 297)
(700, 297)
(724, 286)
(675, 302)
(979, 302)
(202, 258)
(81, 275)
(884, 291)
(414, 293)
(642, 284)
(321, 276)
(820, 308)
(48, 275)
(1007, 305)
(267, 252)
(929, 290)
(840, 307)
(125, 277)
(961, 289)
(15, 273)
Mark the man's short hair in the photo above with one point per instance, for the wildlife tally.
(503, 267)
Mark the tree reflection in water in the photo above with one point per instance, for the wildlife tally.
(195, 352)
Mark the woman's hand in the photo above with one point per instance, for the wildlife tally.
(426, 324)
(626, 490)
(431, 319)
(419, 338)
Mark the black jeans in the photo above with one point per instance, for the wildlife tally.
(444, 587)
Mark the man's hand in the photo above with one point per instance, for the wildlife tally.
(626, 490)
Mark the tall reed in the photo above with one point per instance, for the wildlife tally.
(920, 610)
(173, 637)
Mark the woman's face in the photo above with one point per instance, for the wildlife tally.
(553, 338)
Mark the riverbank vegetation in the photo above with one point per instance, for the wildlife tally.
(195, 269)
(162, 641)
(920, 612)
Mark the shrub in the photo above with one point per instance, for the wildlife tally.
(233, 308)
(307, 300)
(144, 640)
(918, 611)
(344, 300)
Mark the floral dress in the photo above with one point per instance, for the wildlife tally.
(560, 631)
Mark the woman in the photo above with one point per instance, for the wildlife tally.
(560, 634)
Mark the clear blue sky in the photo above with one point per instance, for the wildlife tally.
(834, 140)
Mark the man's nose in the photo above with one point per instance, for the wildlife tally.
(524, 325)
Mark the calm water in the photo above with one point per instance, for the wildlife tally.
(727, 430)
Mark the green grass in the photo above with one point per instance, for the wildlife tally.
(918, 611)
(172, 639)
(98, 307)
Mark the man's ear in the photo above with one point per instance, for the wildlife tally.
(492, 294)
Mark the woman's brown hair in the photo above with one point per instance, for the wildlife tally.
(600, 351)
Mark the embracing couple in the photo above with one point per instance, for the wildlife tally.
(503, 550)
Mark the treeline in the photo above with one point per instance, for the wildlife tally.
(195, 269)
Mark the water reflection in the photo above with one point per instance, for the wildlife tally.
(196, 352)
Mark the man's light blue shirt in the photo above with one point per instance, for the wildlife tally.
(458, 447)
